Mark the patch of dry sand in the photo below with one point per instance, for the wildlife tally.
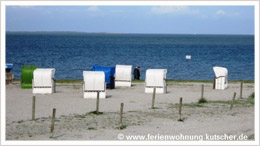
(73, 121)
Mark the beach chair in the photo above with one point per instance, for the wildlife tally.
(123, 77)
(27, 76)
(221, 79)
(109, 75)
(155, 78)
(94, 82)
(43, 81)
(9, 76)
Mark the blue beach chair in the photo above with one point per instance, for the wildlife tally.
(109, 75)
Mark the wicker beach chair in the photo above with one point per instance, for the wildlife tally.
(9, 76)
(221, 79)
(27, 76)
(94, 82)
(123, 76)
(155, 78)
(43, 81)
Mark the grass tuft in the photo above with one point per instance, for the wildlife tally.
(80, 116)
(181, 120)
(95, 113)
(121, 127)
(202, 100)
(193, 105)
(91, 128)
(252, 95)
(189, 105)
(251, 99)
(137, 81)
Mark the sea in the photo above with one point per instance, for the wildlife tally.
(71, 53)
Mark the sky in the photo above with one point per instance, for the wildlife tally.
(133, 19)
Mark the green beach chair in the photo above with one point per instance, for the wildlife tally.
(27, 76)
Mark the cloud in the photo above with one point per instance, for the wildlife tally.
(93, 9)
(220, 12)
(226, 14)
(178, 10)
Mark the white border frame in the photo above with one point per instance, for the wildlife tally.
(131, 3)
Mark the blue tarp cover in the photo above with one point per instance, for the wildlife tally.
(9, 66)
(109, 71)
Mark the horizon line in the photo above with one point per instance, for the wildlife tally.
(127, 33)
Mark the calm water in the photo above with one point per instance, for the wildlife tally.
(71, 53)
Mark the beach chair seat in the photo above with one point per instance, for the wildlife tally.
(123, 76)
(43, 81)
(94, 82)
(156, 78)
(221, 78)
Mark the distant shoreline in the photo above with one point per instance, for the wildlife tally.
(113, 33)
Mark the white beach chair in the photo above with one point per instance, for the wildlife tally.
(156, 78)
(221, 79)
(43, 81)
(123, 76)
(94, 82)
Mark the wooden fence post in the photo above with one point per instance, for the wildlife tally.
(214, 83)
(233, 101)
(153, 100)
(97, 104)
(33, 108)
(121, 115)
(202, 90)
(180, 106)
(53, 119)
(241, 89)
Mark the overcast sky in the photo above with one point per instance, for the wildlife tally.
(133, 19)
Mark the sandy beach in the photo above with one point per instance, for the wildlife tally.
(75, 122)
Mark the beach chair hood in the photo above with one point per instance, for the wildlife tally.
(94, 80)
(9, 66)
(220, 71)
(155, 77)
(43, 76)
(124, 72)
